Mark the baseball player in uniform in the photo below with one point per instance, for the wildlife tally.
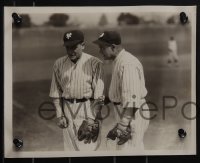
(127, 92)
(172, 51)
(76, 85)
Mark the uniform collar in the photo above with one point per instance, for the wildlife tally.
(77, 60)
(119, 55)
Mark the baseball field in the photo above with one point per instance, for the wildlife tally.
(36, 49)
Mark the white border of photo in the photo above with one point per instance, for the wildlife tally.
(8, 84)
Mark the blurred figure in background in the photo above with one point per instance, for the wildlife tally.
(172, 52)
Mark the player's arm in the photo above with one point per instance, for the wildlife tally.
(62, 120)
(58, 106)
(130, 85)
(97, 83)
(131, 90)
(56, 95)
(98, 87)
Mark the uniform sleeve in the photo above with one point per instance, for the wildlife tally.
(97, 83)
(131, 86)
(55, 90)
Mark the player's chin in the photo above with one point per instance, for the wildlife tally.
(105, 58)
(73, 57)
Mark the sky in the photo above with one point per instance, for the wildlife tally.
(93, 19)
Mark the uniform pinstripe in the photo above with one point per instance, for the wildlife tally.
(80, 80)
(76, 81)
(128, 87)
(127, 83)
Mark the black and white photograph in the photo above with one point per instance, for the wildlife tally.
(99, 81)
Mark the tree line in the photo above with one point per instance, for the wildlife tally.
(61, 20)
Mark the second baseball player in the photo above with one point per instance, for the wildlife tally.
(127, 92)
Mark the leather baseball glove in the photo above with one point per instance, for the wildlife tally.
(88, 131)
(120, 131)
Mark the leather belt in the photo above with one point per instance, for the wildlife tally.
(78, 100)
(117, 103)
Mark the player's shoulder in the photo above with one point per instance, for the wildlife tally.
(60, 61)
(92, 58)
(130, 59)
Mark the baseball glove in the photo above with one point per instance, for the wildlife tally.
(88, 131)
(123, 133)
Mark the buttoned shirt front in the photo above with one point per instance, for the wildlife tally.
(83, 79)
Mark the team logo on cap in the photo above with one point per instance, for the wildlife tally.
(68, 35)
(101, 35)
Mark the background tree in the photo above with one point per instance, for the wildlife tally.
(128, 19)
(171, 20)
(58, 20)
(103, 20)
(26, 21)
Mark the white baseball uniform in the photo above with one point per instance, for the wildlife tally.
(172, 47)
(128, 88)
(77, 81)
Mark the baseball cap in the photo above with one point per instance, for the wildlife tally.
(73, 37)
(108, 38)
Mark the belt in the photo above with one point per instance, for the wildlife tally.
(117, 103)
(78, 100)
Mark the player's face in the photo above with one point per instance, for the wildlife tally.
(107, 52)
(75, 52)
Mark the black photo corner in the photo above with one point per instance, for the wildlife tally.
(115, 159)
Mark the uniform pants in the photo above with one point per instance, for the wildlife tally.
(173, 56)
(139, 125)
(76, 113)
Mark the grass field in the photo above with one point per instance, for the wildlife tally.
(34, 52)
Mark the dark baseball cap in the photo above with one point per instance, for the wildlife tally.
(73, 37)
(108, 38)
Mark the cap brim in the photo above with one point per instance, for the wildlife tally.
(102, 43)
(72, 43)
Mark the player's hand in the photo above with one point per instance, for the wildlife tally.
(62, 122)
(98, 102)
(120, 131)
(169, 50)
(97, 107)
(102, 100)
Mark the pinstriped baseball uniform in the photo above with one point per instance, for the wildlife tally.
(76, 81)
(80, 80)
(128, 87)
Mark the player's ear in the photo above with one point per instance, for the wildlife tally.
(113, 47)
(83, 45)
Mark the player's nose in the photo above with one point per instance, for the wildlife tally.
(70, 51)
